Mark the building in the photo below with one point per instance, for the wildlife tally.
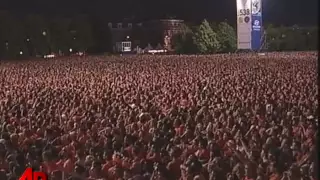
(123, 46)
(161, 31)
(150, 32)
(120, 32)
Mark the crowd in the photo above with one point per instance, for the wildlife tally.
(223, 117)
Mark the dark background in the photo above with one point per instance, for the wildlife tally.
(285, 12)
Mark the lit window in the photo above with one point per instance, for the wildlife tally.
(129, 25)
(119, 25)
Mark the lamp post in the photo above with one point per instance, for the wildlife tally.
(6, 53)
(7, 45)
(29, 47)
(44, 33)
(307, 39)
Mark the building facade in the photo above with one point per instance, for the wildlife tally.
(162, 31)
(120, 31)
(153, 32)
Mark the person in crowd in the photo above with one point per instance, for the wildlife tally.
(224, 117)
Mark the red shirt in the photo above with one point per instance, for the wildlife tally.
(246, 178)
(129, 150)
(274, 177)
(203, 154)
(184, 103)
(50, 167)
(68, 166)
(191, 150)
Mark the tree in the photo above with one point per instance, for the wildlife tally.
(38, 33)
(276, 37)
(137, 35)
(61, 36)
(4, 33)
(227, 37)
(292, 38)
(81, 31)
(102, 36)
(12, 37)
(288, 37)
(272, 38)
(206, 39)
(18, 46)
(312, 38)
(299, 39)
(183, 42)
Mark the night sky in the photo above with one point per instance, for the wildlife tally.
(286, 12)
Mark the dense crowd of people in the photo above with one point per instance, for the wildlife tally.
(224, 117)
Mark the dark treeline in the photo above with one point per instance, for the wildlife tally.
(292, 38)
(34, 35)
(221, 37)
